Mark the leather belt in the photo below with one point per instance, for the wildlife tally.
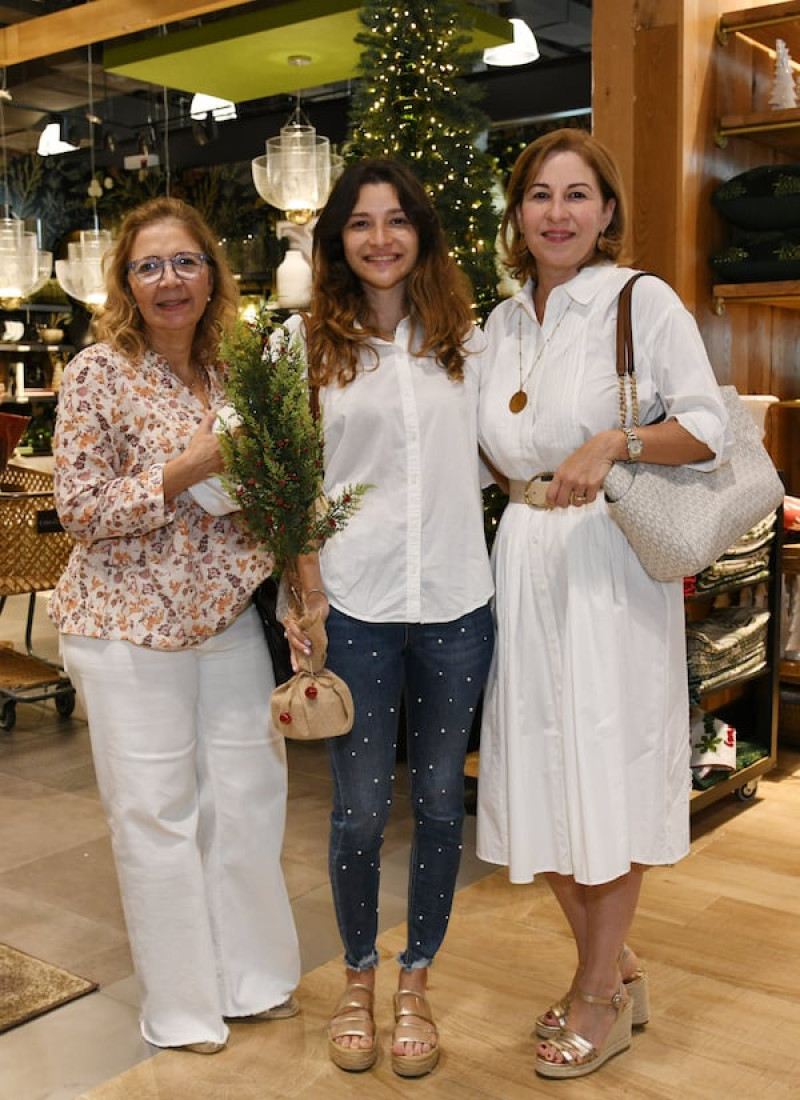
(532, 493)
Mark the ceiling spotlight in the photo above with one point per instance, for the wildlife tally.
(222, 110)
(52, 141)
(521, 51)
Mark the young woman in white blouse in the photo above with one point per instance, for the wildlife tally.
(405, 586)
(585, 739)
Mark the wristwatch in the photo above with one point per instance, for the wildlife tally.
(634, 443)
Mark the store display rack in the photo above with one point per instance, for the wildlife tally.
(33, 553)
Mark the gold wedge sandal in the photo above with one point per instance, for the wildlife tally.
(414, 1024)
(638, 988)
(353, 1017)
(579, 1056)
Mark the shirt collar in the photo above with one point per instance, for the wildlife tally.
(582, 289)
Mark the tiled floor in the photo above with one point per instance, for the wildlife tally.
(59, 899)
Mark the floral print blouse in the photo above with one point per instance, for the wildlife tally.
(162, 575)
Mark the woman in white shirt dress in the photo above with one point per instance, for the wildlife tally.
(585, 773)
(406, 585)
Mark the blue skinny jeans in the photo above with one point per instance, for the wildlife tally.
(441, 667)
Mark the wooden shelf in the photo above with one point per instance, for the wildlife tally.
(778, 130)
(759, 24)
(789, 672)
(33, 345)
(736, 782)
(785, 294)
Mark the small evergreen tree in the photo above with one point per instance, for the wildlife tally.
(273, 455)
(412, 105)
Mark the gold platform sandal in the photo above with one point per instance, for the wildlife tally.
(414, 1024)
(580, 1057)
(353, 1017)
(638, 988)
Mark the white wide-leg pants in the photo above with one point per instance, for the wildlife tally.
(194, 785)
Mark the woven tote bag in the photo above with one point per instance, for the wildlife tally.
(677, 519)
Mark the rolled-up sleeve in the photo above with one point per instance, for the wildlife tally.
(682, 374)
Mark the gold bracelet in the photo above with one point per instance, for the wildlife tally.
(321, 591)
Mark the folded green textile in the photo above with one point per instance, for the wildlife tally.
(747, 752)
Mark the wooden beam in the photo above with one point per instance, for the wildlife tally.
(95, 21)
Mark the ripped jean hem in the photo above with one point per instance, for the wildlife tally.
(415, 964)
(369, 962)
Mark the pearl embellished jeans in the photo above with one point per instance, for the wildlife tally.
(441, 667)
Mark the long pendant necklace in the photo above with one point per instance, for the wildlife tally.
(519, 400)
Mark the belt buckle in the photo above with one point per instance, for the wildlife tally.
(536, 489)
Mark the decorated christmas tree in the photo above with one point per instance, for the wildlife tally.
(413, 104)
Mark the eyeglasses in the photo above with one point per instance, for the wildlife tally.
(186, 265)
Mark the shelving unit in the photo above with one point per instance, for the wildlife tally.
(755, 30)
(750, 702)
(784, 294)
(38, 400)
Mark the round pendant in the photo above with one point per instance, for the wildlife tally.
(518, 401)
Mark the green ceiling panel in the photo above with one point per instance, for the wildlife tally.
(247, 57)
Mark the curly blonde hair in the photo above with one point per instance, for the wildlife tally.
(120, 323)
(610, 244)
(439, 295)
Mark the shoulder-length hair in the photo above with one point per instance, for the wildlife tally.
(439, 295)
(120, 323)
(527, 167)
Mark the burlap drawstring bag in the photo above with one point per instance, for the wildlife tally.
(315, 702)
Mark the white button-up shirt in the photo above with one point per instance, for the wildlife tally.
(415, 551)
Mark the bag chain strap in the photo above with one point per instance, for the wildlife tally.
(626, 368)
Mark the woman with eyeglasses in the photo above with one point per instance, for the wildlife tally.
(164, 648)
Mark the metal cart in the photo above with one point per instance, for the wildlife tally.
(34, 550)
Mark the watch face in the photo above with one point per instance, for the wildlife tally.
(634, 444)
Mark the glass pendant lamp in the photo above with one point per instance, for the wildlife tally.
(298, 170)
(81, 274)
(24, 267)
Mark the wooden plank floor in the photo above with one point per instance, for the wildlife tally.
(718, 932)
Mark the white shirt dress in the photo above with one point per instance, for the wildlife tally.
(585, 755)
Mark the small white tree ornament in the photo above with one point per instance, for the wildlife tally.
(783, 89)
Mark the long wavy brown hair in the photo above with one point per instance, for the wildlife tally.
(120, 323)
(439, 296)
(611, 242)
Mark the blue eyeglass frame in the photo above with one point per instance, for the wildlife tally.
(160, 262)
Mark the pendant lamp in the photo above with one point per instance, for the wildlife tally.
(24, 267)
(82, 275)
(298, 170)
(521, 51)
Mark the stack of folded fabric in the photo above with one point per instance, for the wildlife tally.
(713, 745)
(730, 643)
(746, 562)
